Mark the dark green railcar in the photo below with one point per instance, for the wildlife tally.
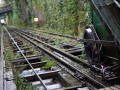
(105, 25)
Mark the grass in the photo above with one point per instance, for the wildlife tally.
(49, 65)
(24, 46)
(21, 83)
(43, 58)
(32, 48)
(83, 56)
(18, 55)
(8, 54)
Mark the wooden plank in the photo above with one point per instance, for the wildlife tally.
(108, 88)
(46, 75)
(35, 58)
(35, 65)
(102, 89)
(114, 88)
(118, 86)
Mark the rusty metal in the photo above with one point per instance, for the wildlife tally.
(111, 72)
(75, 51)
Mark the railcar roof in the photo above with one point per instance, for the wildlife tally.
(110, 14)
(114, 11)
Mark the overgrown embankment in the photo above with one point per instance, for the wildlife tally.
(63, 16)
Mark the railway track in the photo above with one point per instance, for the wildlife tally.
(55, 34)
(52, 76)
(78, 39)
(65, 44)
(66, 63)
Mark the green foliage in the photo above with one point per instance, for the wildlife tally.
(32, 48)
(24, 46)
(84, 12)
(9, 55)
(18, 55)
(83, 56)
(8, 1)
(64, 16)
(57, 44)
(16, 17)
(49, 65)
(18, 81)
(43, 58)
(21, 83)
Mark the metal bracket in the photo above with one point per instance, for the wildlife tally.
(111, 72)
(78, 75)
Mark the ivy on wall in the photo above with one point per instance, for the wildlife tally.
(65, 16)
(21, 14)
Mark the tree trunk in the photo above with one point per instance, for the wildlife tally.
(23, 10)
(79, 29)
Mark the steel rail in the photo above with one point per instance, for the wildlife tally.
(104, 42)
(83, 40)
(45, 87)
(63, 62)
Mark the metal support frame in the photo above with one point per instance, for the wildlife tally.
(45, 87)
